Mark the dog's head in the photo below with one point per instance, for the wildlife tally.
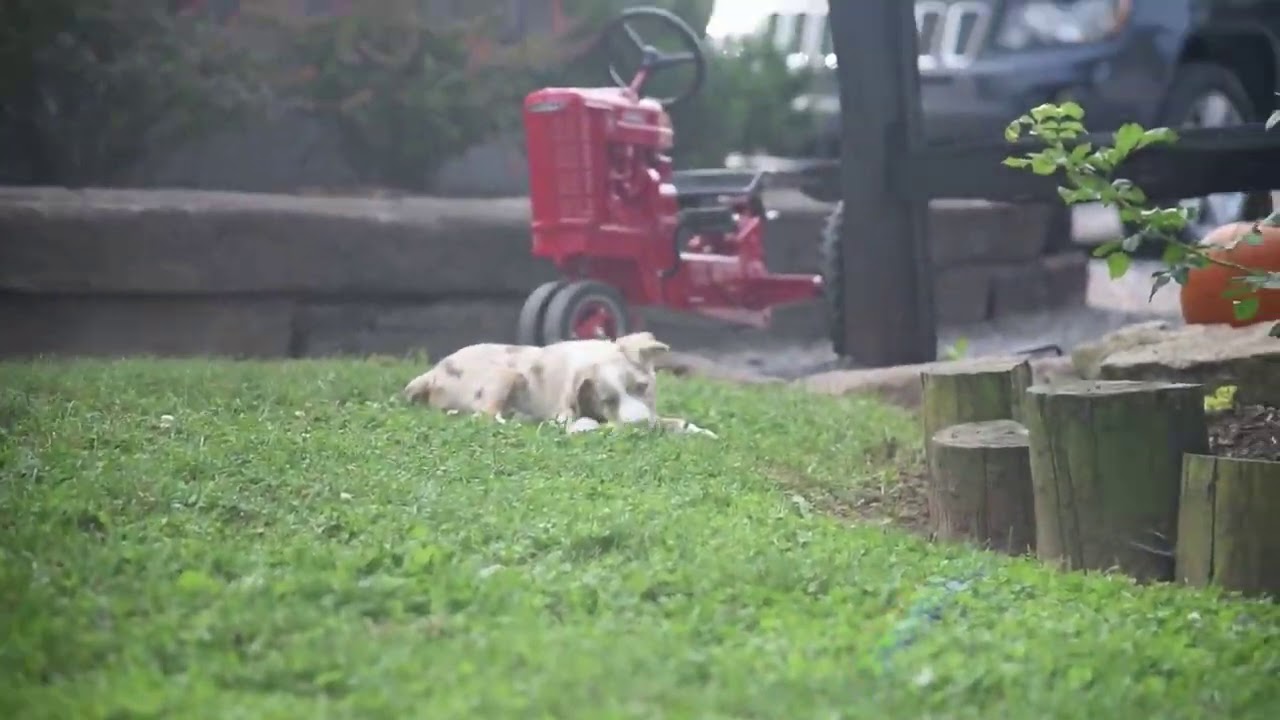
(618, 385)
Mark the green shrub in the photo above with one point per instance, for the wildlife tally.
(89, 88)
(399, 88)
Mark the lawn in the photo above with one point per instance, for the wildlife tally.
(253, 540)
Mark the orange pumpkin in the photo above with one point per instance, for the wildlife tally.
(1202, 295)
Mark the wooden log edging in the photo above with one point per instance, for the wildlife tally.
(1106, 468)
(980, 486)
(1227, 533)
(972, 391)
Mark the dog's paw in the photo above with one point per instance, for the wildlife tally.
(695, 430)
(583, 424)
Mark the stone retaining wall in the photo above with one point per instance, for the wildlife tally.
(171, 272)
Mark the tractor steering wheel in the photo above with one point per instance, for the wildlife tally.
(619, 32)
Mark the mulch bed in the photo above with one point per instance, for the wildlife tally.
(1250, 432)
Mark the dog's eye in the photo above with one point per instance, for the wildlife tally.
(640, 387)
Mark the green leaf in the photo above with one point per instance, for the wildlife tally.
(1047, 111)
(1169, 219)
(1089, 181)
(1072, 110)
(1131, 243)
(1173, 254)
(1080, 152)
(1272, 122)
(1016, 162)
(1013, 132)
(1157, 135)
(1043, 165)
(1106, 248)
(1104, 159)
(1047, 132)
(1127, 138)
(1117, 264)
(1245, 309)
(1071, 196)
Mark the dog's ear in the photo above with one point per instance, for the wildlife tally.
(419, 389)
(582, 400)
(642, 348)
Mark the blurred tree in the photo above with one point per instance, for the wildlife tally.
(87, 87)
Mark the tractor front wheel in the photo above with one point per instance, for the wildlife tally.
(532, 314)
(585, 310)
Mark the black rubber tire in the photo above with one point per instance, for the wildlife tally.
(529, 324)
(831, 267)
(564, 305)
(1192, 81)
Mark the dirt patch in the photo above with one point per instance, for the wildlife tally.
(899, 500)
(1251, 432)
(903, 503)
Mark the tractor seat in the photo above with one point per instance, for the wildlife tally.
(694, 187)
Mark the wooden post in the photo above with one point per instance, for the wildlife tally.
(887, 280)
(1106, 466)
(980, 486)
(973, 391)
(1227, 524)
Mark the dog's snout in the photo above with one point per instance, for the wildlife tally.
(634, 410)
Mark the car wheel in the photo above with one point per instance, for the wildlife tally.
(1207, 95)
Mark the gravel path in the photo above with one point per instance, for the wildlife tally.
(1110, 304)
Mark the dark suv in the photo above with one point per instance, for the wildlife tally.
(1175, 63)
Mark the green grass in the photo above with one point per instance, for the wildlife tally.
(293, 543)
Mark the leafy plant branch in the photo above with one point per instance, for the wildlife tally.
(1090, 172)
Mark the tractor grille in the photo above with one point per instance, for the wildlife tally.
(572, 165)
(951, 34)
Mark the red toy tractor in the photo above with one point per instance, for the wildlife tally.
(622, 228)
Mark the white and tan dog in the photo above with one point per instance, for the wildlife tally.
(581, 384)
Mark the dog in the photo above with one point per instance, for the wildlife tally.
(579, 384)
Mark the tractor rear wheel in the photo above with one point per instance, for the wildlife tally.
(831, 267)
(529, 326)
(585, 310)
